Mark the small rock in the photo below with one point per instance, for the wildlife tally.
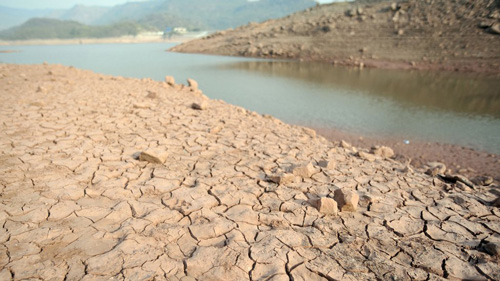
(284, 178)
(457, 178)
(464, 180)
(170, 80)
(347, 199)
(193, 84)
(382, 151)
(482, 180)
(394, 6)
(158, 157)
(496, 202)
(360, 11)
(495, 29)
(200, 105)
(152, 95)
(435, 168)
(327, 206)
(494, 14)
(484, 24)
(492, 249)
(41, 89)
(401, 32)
(305, 171)
(367, 156)
(327, 164)
(345, 144)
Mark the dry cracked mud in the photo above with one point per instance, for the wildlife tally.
(78, 204)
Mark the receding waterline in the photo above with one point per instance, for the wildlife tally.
(442, 107)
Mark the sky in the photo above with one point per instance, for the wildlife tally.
(66, 4)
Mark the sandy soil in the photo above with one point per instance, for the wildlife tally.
(435, 34)
(109, 178)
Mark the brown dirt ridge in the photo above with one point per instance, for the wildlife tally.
(105, 178)
(453, 35)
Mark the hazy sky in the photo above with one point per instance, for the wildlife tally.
(65, 4)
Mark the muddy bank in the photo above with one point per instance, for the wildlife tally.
(436, 35)
(104, 177)
(460, 160)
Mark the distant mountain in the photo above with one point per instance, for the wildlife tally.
(208, 14)
(10, 17)
(84, 14)
(211, 14)
(42, 28)
(150, 15)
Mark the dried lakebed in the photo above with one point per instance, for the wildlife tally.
(234, 195)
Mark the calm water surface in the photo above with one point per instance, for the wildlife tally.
(444, 107)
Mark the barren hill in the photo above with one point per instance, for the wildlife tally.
(433, 34)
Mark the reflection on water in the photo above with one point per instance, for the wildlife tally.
(459, 93)
(451, 108)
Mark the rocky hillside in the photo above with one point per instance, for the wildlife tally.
(435, 34)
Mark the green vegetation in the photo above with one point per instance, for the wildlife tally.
(40, 28)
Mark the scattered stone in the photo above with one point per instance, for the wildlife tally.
(347, 199)
(192, 84)
(156, 156)
(394, 6)
(495, 28)
(367, 156)
(305, 171)
(170, 80)
(200, 105)
(382, 151)
(41, 89)
(327, 164)
(345, 144)
(435, 168)
(492, 248)
(464, 180)
(482, 180)
(496, 202)
(484, 24)
(326, 206)
(284, 178)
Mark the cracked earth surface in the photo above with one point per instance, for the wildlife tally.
(227, 203)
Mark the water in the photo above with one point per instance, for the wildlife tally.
(443, 107)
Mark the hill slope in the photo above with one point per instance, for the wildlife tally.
(213, 14)
(40, 28)
(442, 34)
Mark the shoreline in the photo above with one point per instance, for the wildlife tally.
(458, 159)
(117, 40)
